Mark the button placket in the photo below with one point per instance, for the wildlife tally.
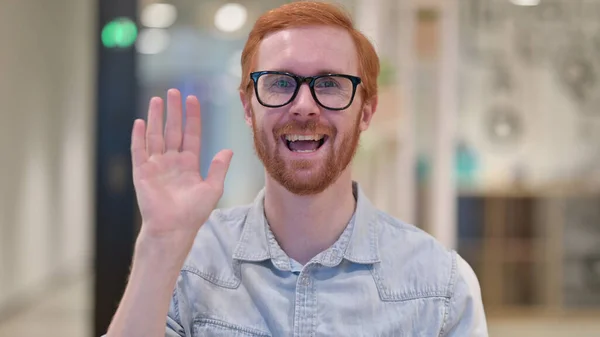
(304, 309)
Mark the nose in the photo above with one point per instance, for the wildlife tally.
(304, 105)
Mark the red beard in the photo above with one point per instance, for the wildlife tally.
(323, 173)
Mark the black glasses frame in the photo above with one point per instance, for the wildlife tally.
(310, 80)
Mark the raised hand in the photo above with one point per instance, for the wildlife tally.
(174, 199)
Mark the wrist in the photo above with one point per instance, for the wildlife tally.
(165, 250)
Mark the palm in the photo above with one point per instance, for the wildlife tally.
(172, 195)
(167, 187)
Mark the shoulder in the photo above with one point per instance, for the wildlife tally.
(224, 224)
(399, 239)
(421, 245)
(215, 243)
(464, 313)
(413, 263)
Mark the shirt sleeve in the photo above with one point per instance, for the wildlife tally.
(465, 316)
(178, 315)
(173, 328)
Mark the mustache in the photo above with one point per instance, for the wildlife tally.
(312, 126)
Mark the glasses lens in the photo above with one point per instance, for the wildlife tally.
(275, 89)
(334, 92)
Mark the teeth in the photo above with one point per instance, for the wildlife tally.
(304, 151)
(293, 138)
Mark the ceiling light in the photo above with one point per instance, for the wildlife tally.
(152, 41)
(525, 2)
(231, 17)
(158, 15)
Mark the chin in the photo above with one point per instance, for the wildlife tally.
(305, 176)
(306, 188)
(308, 181)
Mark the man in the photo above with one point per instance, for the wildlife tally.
(311, 256)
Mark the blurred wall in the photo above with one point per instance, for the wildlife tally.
(46, 134)
(529, 101)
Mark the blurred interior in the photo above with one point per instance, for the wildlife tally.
(487, 136)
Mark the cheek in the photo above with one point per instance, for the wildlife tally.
(262, 128)
(266, 119)
(352, 123)
(256, 115)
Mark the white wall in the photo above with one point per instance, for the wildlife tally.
(560, 141)
(46, 144)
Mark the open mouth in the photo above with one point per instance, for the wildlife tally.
(304, 143)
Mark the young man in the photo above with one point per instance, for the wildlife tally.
(311, 256)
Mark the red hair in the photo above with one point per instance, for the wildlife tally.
(309, 13)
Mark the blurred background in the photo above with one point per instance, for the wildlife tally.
(487, 136)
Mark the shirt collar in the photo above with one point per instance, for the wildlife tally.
(358, 242)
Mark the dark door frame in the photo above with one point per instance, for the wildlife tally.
(115, 206)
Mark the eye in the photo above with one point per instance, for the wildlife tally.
(282, 83)
(327, 83)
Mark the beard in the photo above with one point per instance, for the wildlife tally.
(291, 174)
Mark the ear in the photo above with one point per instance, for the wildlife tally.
(368, 110)
(246, 104)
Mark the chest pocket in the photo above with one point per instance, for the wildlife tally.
(208, 327)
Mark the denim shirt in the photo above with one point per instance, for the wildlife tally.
(380, 278)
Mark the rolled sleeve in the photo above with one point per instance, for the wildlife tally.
(174, 329)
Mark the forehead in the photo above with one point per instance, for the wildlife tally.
(309, 51)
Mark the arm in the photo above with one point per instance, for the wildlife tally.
(145, 304)
(174, 202)
(465, 316)
(140, 295)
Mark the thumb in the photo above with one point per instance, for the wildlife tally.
(218, 168)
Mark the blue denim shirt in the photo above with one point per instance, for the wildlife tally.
(381, 278)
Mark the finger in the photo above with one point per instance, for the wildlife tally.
(154, 130)
(192, 137)
(138, 143)
(218, 169)
(173, 127)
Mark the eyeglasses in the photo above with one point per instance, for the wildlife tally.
(275, 89)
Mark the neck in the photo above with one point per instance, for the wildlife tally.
(304, 226)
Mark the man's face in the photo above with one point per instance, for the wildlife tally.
(307, 166)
